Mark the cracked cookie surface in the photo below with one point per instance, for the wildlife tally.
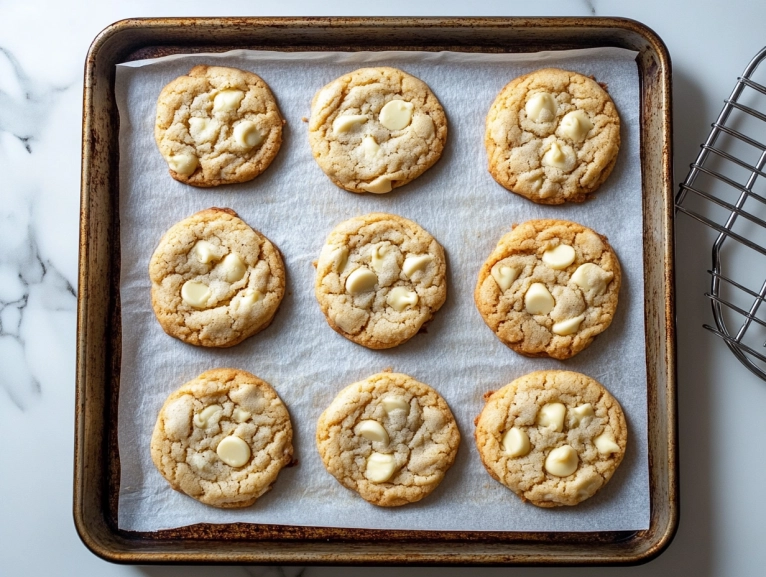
(379, 278)
(215, 280)
(549, 288)
(552, 136)
(389, 437)
(217, 126)
(376, 129)
(222, 438)
(553, 437)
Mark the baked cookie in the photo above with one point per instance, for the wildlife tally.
(376, 129)
(379, 278)
(223, 438)
(389, 438)
(549, 288)
(217, 125)
(552, 136)
(552, 437)
(215, 280)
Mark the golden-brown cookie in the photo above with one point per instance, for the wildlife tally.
(553, 437)
(380, 277)
(389, 437)
(552, 136)
(375, 129)
(549, 288)
(222, 438)
(217, 125)
(215, 280)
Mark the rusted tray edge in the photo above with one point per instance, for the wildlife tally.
(92, 353)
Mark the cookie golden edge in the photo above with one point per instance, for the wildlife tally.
(276, 265)
(438, 115)
(493, 148)
(231, 377)
(270, 148)
(382, 495)
(500, 252)
(485, 439)
(374, 344)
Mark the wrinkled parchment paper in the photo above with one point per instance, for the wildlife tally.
(295, 205)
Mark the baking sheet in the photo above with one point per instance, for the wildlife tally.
(295, 205)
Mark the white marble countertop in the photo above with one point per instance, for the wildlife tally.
(42, 50)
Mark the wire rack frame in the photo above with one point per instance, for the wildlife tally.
(733, 336)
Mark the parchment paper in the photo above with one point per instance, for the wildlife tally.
(295, 205)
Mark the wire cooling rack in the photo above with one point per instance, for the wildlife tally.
(726, 190)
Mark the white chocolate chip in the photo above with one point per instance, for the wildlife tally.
(203, 129)
(591, 277)
(372, 431)
(247, 135)
(562, 461)
(251, 297)
(370, 146)
(541, 107)
(347, 122)
(183, 164)
(504, 275)
(206, 252)
(379, 185)
(240, 415)
(552, 415)
(233, 451)
(376, 258)
(362, 280)
(516, 442)
(400, 298)
(233, 268)
(560, 156)
(227, 100)
(580, 413)
(568, 326)
(396, 114)
(380, 467)
(337, 255)
(606, 444)
(195, 294)
(208, 416)
(538, 301)
(575, 125)
(560, 257)
(395, 403)
(414, 263)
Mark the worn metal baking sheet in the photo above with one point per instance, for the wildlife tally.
(96, 458)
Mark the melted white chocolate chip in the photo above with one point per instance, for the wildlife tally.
(395, 403)
(207, 416)
(183, 164)
(370, 146)
(372, 431)
(559, 156)
(504, 275)
(575, 125)
(232, 267)
(562, 461)
(580, 413)
(568, 326)
(195, 294)
(396, 114)
(227, 100)
(379, 185)
(516, 442)
(380, 467)
(552, 415)
(415, 262)
(347, 122)
(538, 300)
(541, 107)
(206, 252)
(233, 451)
(362, 280)
(247, 135)
(240, 415)
(250, 298)
(400, 298)
(339, 257)
(606, 444)
(203, 129)
(376, 256)
(591, 277)
(560, 257)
